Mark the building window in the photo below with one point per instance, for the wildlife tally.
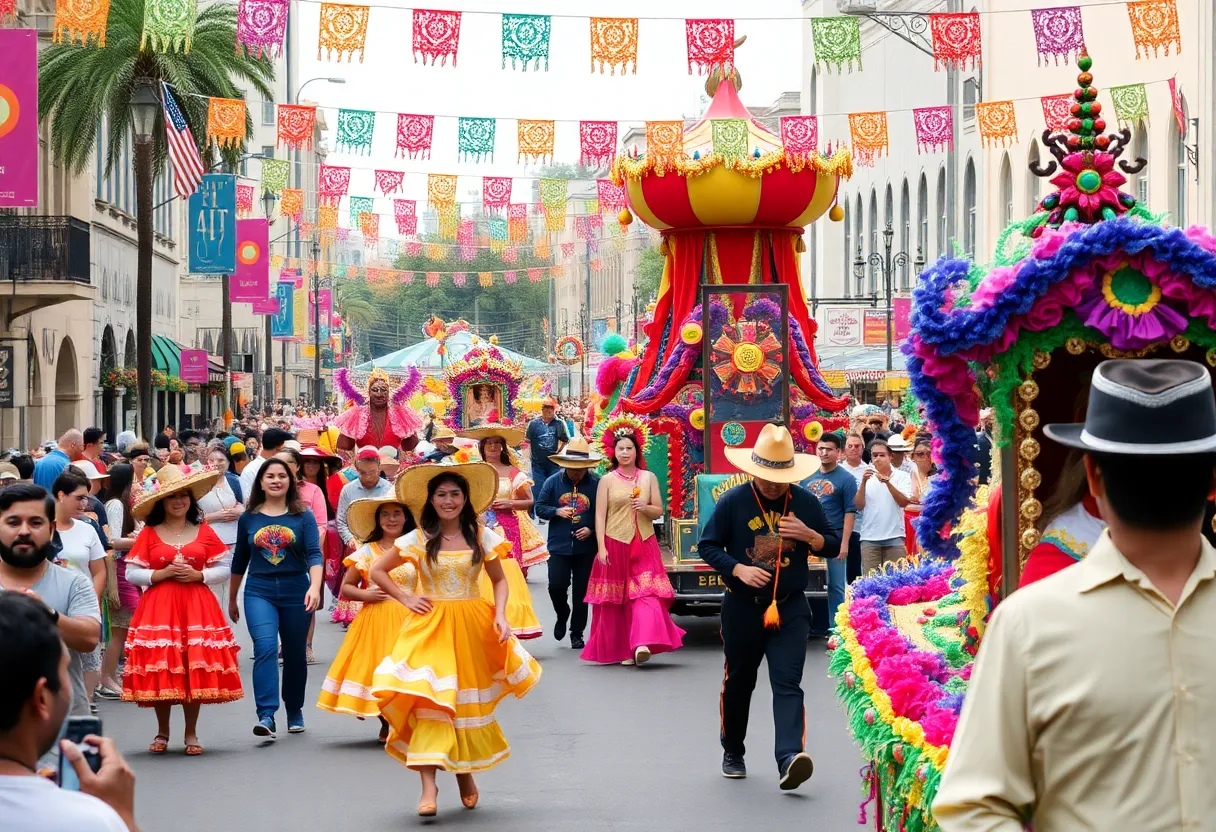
(268, 151)
(873, 238)
(1181, 174)
(922, 216)
(98, 164)
(848, 251)
(1139, 183)
(813, 98)
(905, 230)
(971, 94)
(941, 212)
(969, 209)
(267, 112)
(1006, 192)
(1032, 181)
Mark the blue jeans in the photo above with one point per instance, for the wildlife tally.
(837, 569)
(274, 614)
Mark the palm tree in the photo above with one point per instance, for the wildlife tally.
(78, 85)
(354, 302)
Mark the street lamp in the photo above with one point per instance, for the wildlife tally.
(886, 263)
(268, 201)
(144, 104)
(316, 318)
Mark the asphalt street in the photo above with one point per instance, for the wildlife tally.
(593, 748)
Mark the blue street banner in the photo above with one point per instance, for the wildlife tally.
(282, 325)
(211, 224)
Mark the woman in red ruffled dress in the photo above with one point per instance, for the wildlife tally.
(180, 650)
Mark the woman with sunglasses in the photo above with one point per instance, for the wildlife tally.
(922, 458)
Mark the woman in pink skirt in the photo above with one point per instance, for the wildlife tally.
(629, 591)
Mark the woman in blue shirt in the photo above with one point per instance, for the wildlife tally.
(278, 545)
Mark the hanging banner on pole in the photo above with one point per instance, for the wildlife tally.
(300, 322)
(282, 325)
(194, 366)
(211, 225)
(269, 306)
(326, 302)
(251, 280)
(18, 118)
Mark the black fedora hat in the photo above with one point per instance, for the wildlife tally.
(1145, 407)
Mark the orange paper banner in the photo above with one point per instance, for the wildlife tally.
(614, 43)
(226, 121)
(535, 141)
(665, 141)
(998, 123)
(343, 29)
(441, 189)
(869, 135)
(81, 18)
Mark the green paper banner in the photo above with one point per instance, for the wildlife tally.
(525, 38)
(475, 139)
(729, 137)
(169, 25)
(1131, 104)
(274, 175)
(837, 42)
(355, 128)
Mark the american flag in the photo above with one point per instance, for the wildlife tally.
(187, 164)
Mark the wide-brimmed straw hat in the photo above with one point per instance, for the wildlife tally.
(314, 452)
(1146, 407)
(361, 518)
(773, 458)
(577, 454)
(413, 482)
(508, 433)
(170, 480)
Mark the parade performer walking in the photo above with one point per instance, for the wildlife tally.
(760, 538)
(455, 657)
(628, 585)
(567, 502)
(180, 651)
(378, 523)
(381, 416)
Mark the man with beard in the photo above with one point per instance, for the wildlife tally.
(27, 518)
(36, 700)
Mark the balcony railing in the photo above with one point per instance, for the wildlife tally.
(44, 248)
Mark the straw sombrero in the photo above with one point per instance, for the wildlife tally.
(169, 480)
(577, 454)
(413, 483)
(772, 458)
(361, 519)
(508, 433)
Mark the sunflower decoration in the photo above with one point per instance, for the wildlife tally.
(747, 358)
(608, 431)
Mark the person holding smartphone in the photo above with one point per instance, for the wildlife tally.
(33, 715)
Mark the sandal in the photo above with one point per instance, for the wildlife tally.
(469, 800)
(160, 744)
(193, 749)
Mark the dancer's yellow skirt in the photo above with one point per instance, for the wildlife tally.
(520, 614)
(439, 687)
(347, 688)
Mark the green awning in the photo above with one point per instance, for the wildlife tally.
(166, 355)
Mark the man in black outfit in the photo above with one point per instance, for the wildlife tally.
(760, 538)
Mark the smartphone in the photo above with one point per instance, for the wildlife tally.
(78, 728)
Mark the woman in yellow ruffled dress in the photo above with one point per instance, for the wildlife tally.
(455, 656)
(377, 523)
(508, 517)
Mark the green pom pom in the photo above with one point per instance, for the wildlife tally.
(1108, 214)
(1071, 215)
(1084, 63)
(615, 343)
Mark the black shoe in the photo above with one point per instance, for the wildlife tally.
(577, 643)
(559, 629)
(733, 766)
(796, 771)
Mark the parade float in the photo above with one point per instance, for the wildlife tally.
(1092, 275)
(730, 344)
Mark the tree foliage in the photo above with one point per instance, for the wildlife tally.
(649, 273)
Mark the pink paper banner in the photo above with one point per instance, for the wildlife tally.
(251, 282)
(18, 118)
(270, 306)
(194, 366)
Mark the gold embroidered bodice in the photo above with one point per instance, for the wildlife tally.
(404, 576)
(621, 516)
(453, 576)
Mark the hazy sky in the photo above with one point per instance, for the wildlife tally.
(389, 80)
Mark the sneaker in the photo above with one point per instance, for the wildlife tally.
(577, 643)
(107, 692)
(295, 724)
(264, 727)
(733, 767)
(309, 656)
(93, 708)
(796, 771)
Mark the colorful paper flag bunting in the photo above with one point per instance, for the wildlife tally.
(291, 204)
(525, 38)
(405, 212)
(837, 42)
(413, 248)
(869, 135)
(8, 11)
(485, 279)
(536, 138)
(729, 136)
(414, 134)
(496, 194)
(711, 43)
(274, 175)
(360, 205)
(1177, 107)
(1131, 104)
(389, 181)
(327, 217)
(934, 129)
(799, 137)
(552, 192)
(432, 280)
(517, 222)
(261, 26)
(534, 275)
(332, 183)
(997, 122)
(541, 250)
(169, 25)
(369, 226)
(226, 121)
(509, 277)
(614, 43)
(567, 249)
(1155, 25)
(343, 29)
(441, 190)
(665, 141)
(355, 130)
(498, 233)
(85, 19)
(475, 139)
(449, 222)
(436, 36)
(460, 278)
(1057, 110)
(511, 255)
(1058, 33)
(244, 200)
(611, 196)
(597, 143)
(956, 40)
(295, 126)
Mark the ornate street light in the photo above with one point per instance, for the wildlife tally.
(886, 263)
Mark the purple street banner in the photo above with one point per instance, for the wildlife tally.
(251, 280)
(194, 366)
(18, 118)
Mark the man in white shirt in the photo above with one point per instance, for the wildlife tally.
(370, 484)
(32, 713)
(273, 440)
(883, 493)
(854, 447)
(899, 454)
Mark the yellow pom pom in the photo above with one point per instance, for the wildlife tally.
(836, 214)
(812, 431)
(690, 333)
(494, 339)
(697, 418)
(624, 218)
